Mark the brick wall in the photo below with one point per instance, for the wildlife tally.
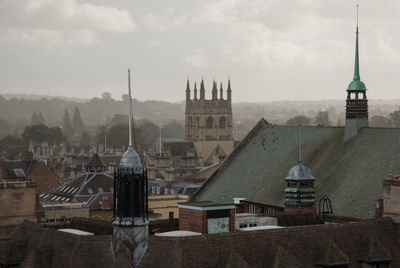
(43, 176)
(196, 220)
(193, 220)
(232, 221)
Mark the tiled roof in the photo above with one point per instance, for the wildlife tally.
(349, 173)
(280, 248)
(16, 169)
(34, 246)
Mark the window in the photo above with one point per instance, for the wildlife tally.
(158, 189)
(209, 122)
(90, 190)
(252, 209)
(171, 214)
(153, 189)
(222, 122)
(166, 191)
(19, 172)
(100, 189)
(112, 189)
(172, 191)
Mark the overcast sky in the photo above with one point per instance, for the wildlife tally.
(271, 49)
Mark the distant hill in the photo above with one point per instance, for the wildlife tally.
(16, 110)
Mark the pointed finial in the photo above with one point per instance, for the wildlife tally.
(357, 15)
(130, 108)
(187, 85)
(299, 141)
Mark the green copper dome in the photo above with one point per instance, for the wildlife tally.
(356, 84)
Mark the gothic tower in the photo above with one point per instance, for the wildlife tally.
(208, 123)
(357, 102)
(130, 202)
(300, 192)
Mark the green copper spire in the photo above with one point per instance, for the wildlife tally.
(356, 84)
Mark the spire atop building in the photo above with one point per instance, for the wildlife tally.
(130, 159)
(356, 84)
(356, 102)
(221, 92)
(214, 90)
(187, 89)
(229, 90)
(202, 90)
(299, 145)
(195, 91)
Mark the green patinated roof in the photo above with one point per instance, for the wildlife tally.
(350, 173)
(356, 84)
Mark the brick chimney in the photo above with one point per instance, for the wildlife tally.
(27, 156)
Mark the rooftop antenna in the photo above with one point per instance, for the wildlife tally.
(299, 140)
(130, 108)
(160, 140)
(105, 140)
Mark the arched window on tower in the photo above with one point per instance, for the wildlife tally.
(209, 123)
(222, 122)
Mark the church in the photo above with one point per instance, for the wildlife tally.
(208, 123)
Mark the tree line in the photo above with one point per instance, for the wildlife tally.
(74, 133)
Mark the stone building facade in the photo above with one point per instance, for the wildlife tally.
(17, 202)
(208, 123)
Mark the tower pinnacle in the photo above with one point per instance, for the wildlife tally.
(356, 84)
(187, 90)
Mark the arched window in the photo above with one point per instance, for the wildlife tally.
(197, 121)
(222, 122)
(209, 123)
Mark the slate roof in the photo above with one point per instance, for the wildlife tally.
(95, 161)
(350, 173)
(84, 188)
(9, 168)
(279, 248)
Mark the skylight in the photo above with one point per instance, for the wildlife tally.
(19, 172)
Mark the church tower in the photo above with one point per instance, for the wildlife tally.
(130, 202)
(208, 123)
(357, 102)
(300, 192)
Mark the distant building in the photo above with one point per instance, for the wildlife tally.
(90, 194)
(170, 159)
(28, 169)
(208, 123)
